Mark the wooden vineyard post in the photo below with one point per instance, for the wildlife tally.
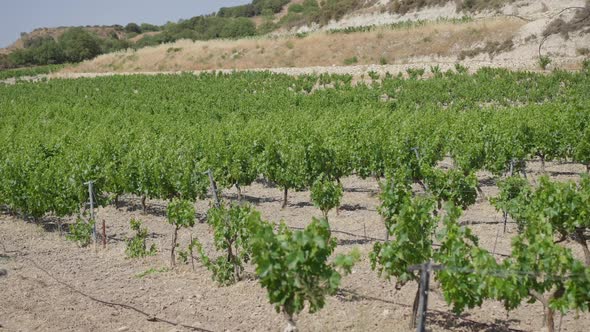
(104, 234)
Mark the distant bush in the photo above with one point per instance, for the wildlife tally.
(145, 27)
(296, 8)
(204, 28)
(257, 7)
(237, 11)
(133, 28)
(150, 41)
(239, 27)
(50, 52)
(174, 49)
(6, 62)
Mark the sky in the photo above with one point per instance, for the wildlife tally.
(18, 16)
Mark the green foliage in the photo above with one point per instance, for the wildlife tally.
(544, 61)
(81, 232)
(181, 213)
(146, 27)
(255, 8)
(436, 71)
(6, 63)
(374, 75)
(544, 271)
(415, 73)
(183, 255)
(452, 187)
(465, 279)
(326, 195)
(514, 191)
(33, 71)
(296, 8)
(293, 265)
(46, 52)
(413, 229)
(237, 11)
(74, 45)
(407, 24)
(202, 28)
(460, 69)
(396, 193)
(79, 45)
(564, 205)
(136, 246)
(231, 231)
(147, 136)
(582, 149)
(351, 61)
(133, 28)
(141, 143)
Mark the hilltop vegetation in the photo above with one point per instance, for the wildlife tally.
(76, 44)
(73, 45)
(69, 45)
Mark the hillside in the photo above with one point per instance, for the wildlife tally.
(304, 33)
(441, 35)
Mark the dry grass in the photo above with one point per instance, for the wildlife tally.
(318, 49)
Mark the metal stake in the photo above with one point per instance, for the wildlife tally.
(91, 194)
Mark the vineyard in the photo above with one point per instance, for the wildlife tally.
(302, 192)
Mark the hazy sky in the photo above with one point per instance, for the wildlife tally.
(18, 16)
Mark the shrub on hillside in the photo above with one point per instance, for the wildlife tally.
(78, 45)
(133, 28)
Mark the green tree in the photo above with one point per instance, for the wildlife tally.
(133, 28)
(79, 45)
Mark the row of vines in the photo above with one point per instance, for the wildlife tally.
(155, 137)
